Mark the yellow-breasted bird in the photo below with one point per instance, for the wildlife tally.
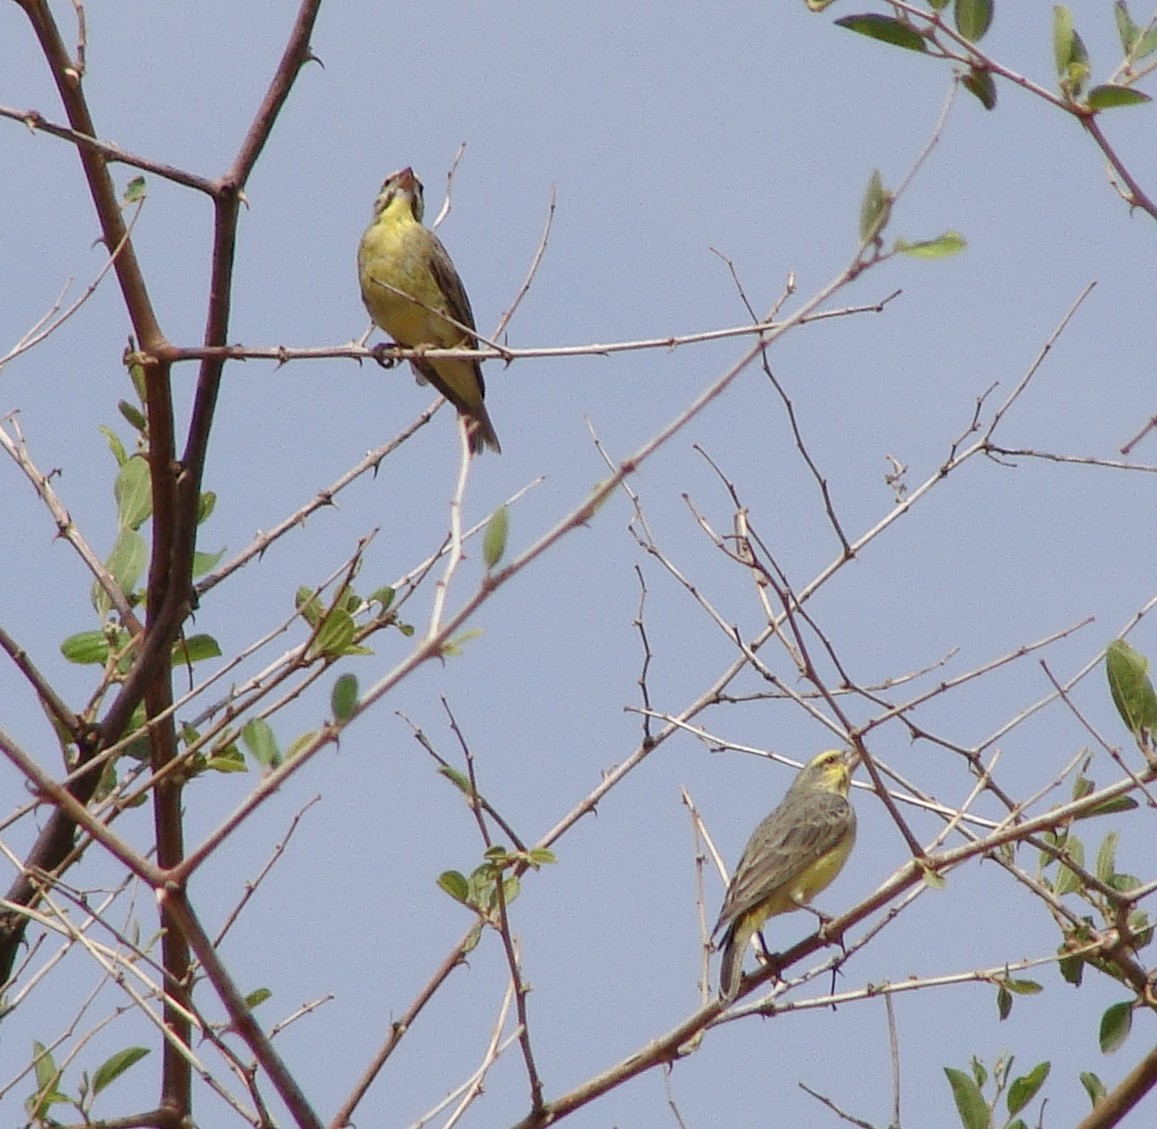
(791, 856)
(413, 292)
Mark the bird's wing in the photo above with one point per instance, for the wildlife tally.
(782, 847)
(448, 282)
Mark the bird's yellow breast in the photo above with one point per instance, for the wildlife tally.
(395, 255)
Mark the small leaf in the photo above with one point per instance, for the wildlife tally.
(1083, 787)
(257, 736)
(981, 84)
(134, 416)
(1072, 969)
(86, 648)
(257, 997)
(335, 634)
(1127, 30)
(384, 596)
(133, 493)
(135, 190)
(1133, 695)
(1024, 1089)
(460, 779)
(1024, 987)
(46, 1072)
(1094, 1087)
(300, 743)
(455, 885)
(1062, 37)
(950, 243)
(309, 604)
(541, 855)
(1106, 864)
(472, 939)
(196, 648)
(494, 540)
(886, 30)
(114, 1066)
(1067, 880)
(1003, 1001)
(1110, 96)
(1111, 807)
(228, 759)
(875, 209)
(973, 18)
(344, 698)
(206, 504)
(205, 562)
(115, 445)
(1116, 1024)
(126, 563)
(969, 1100)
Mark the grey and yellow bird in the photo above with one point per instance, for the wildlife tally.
(791, 856)
(413, 292)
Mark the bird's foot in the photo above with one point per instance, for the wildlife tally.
(378, 352)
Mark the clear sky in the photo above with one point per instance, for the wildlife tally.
(669, 133)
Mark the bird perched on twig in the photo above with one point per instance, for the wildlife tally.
(413, 292)
(791, 856)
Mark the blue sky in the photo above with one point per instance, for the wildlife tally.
(666, 133)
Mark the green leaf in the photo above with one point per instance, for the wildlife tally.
(494, 540)
(135, 190)
(228, 759)
(973, 18)
(1003, 1001)
(206, 504)
(86, 648)
(1110, 807)
(1127, 30)
(460, 779)
(133, 493)
(1067, 880)
(1072, 969)
(344, 698)
(455, 884)
(1083, 787)
(875, 209)
(1133, 695)
(384, 596)
(126, 563)
(114, 1066)
(885, 29)
(981, 84)
(541, 855)
(1116, 1024)
(978, 1071)
(135, 417)
(115, 445)
(472, 939)
(257, 736)
(1094, 1087)
(1110, 96)
(1024, 1089)
(309, 604)
(257, 997)
(1024, 987)
(950, 243)
(205, 562)
(969, 1100)
(1147, 45)
(1106, 864)
(45, 1066)
(300, 743)
(1062, 38)
(196, 648)
(335, 634)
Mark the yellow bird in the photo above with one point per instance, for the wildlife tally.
(791, 856)
(413, 292)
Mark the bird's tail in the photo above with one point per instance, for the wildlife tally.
(481, 431)
(735, 944)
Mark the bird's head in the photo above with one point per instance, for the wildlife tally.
(404, 189)
(829, 772)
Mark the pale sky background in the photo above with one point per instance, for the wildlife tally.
(667, 131)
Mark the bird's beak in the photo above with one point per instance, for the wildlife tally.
(406, 179)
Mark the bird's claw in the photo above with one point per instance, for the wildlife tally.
(378, 352)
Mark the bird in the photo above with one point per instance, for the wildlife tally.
(412, 291)
(796, 852)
